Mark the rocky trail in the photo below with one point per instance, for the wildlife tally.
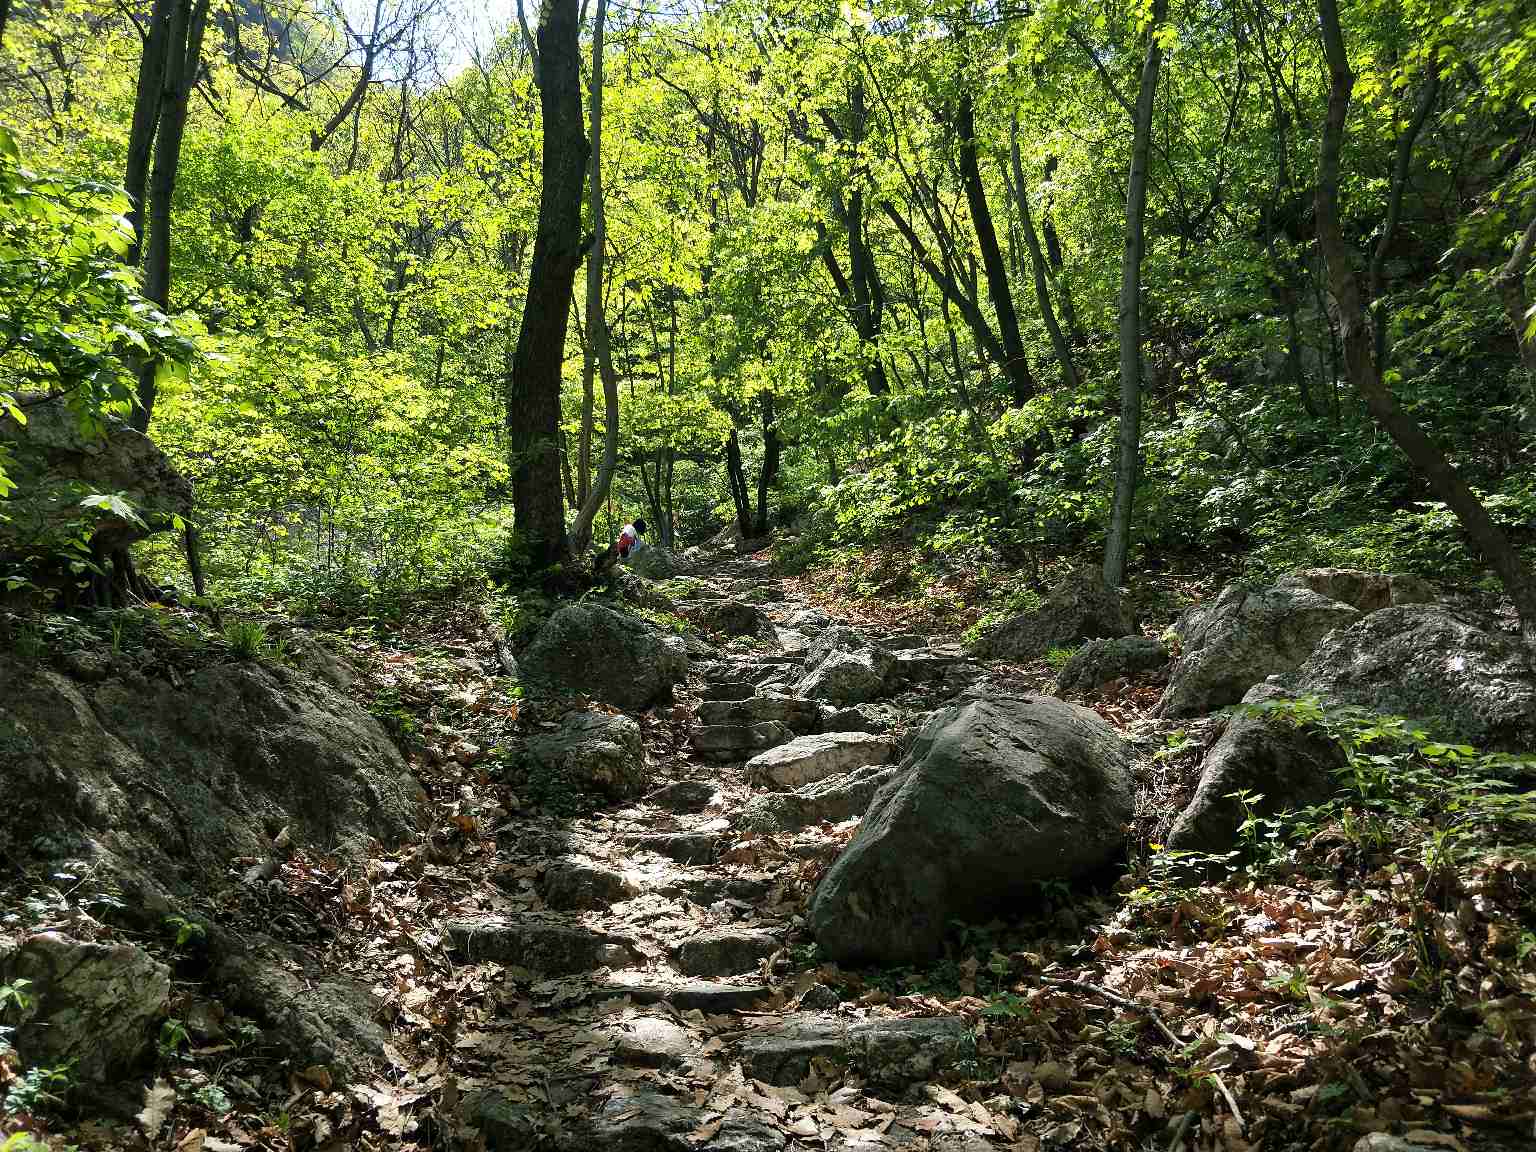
(706, 865)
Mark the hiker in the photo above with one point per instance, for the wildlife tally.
(630, 541)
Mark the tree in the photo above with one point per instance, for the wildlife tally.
(178, 75)
(533, 387)
(1359, 346)
(1128, 455)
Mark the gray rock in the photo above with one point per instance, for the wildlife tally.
(781, 1053)
(159, 786)
(878, 718)
(730, 618)
(53, 465)
(995, 796)
(919, 665)
(1290, 766)
(596, 751)
(807, 759)
(645, 1121)
(799, 715)
(725, 951)
(310, 1011)
(685, 796)
(832, 800)
(728, 690)
(504, 1124)
(651, 1041)
(1247, 635)
(1433, 665)
(1365, 591)
(724, 742)
(810, 621)
(571, 885)
(1100, 661)
(819, 998)
(843, 667)
(905, 641)
(1077, 608)
(639, 591)
(708, 996)
(93, 1006)
(683, 847)
(895, 1052)
(547, 947)
(655, 563)
(619, 659)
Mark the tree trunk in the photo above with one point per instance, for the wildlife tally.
(1511, 285)
(146, 118)
(736, 479)
(183, 55)
(1359, 348)
(598, 348)
(533, 393)
(1037, 262)
(769, 472)
(1128, 465)
(1015, 366)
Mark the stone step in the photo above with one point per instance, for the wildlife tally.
(544, 946)
(726, 742)
(651, 1041)
(708, 996)
(837, 798)
(807, 759)
(681, 847)
(644, 1120)
(711, 888)
(728, 689)
(726, 951)
(576, 885)
(891, 1052)
(801, 716)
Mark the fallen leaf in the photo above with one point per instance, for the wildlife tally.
(159, 1100)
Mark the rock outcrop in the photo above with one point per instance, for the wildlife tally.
(91, 1006)
(842, 667)
(1078, 607)
(1361, 590)
(54, 465)
(1462, 680)
(1282, 764)
(1247, 635)
(1100, 661)
(619, 659)
(996, 795)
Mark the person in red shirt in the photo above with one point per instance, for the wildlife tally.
(630, 538)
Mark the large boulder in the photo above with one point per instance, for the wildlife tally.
(1460, 679)
(91, 1006)
(1282, 764)
(594, 751)
(1366, 591)
(1101, 661)
(1078, 607)
(54, 465)
(842, 667)
(996, 795)
(1246, 636)
(616, 658)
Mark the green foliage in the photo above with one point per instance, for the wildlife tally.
(247, 639)
(39, 1089)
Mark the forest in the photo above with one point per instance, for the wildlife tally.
(1085, 454)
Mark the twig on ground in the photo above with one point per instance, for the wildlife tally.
(1181, 1130)
(1162, 1026)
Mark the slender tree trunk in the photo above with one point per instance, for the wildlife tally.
(1359, 348)
(533, 393)
(146, 118)
(769, 472)
(736, 479)
(1128, 465)
(597, 322)
(1015, 365)
(1037, 261)
(1511, 285)
(183, 56)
